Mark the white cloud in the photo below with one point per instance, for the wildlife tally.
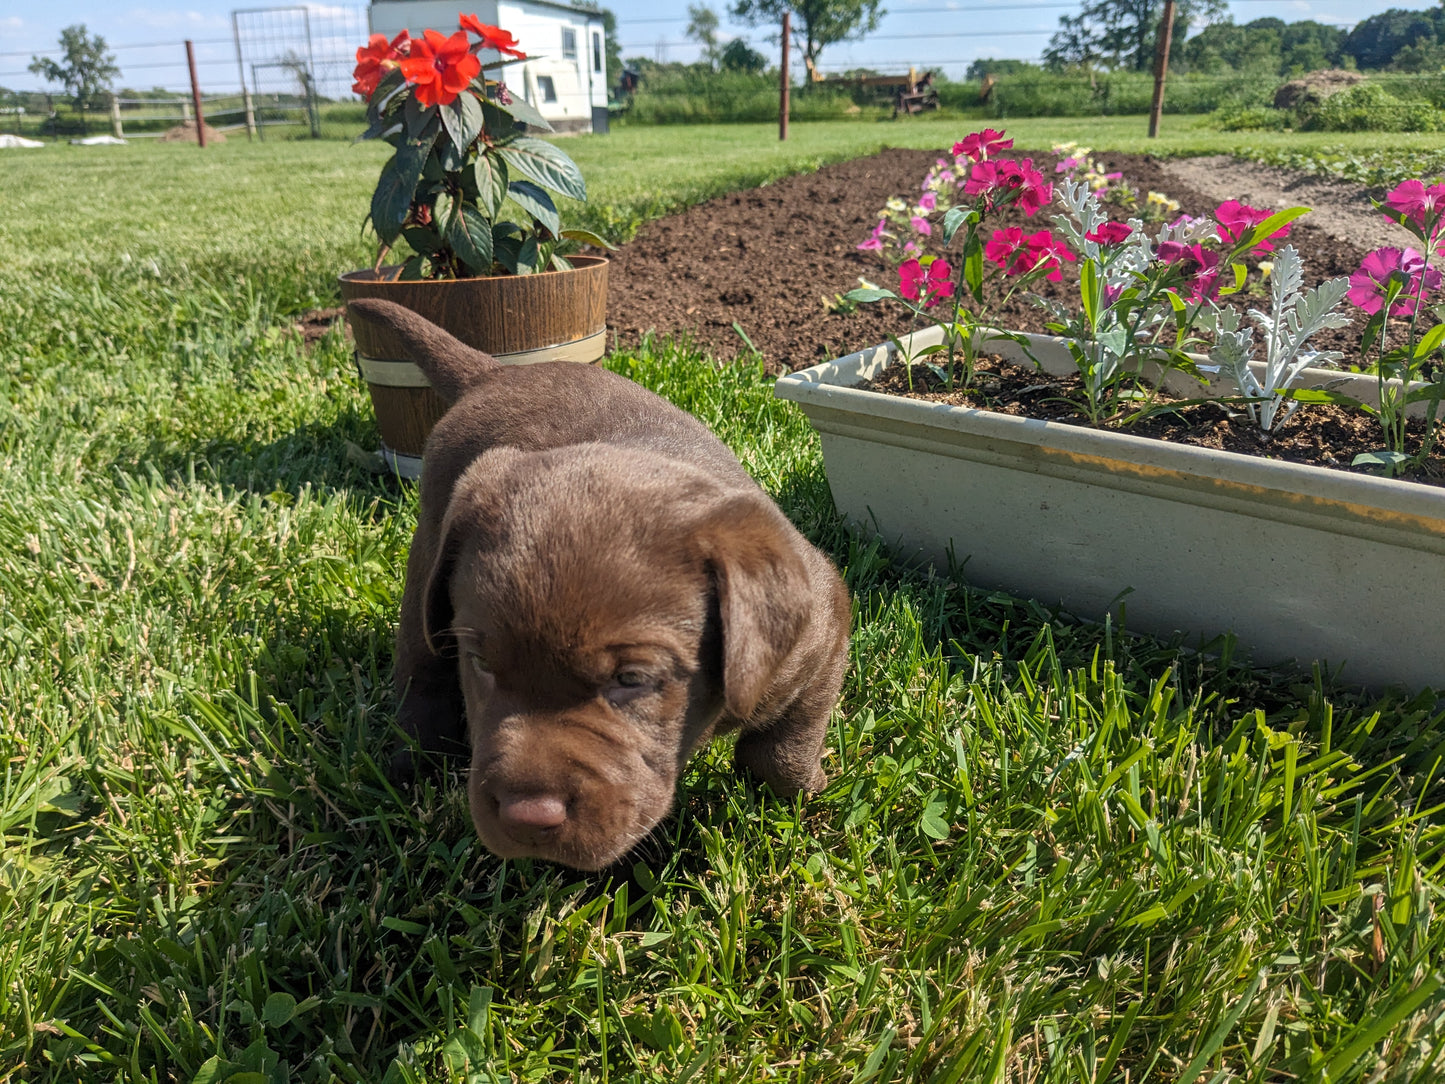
(174, 20)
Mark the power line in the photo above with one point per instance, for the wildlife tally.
(130, 45)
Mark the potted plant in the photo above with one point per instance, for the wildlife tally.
(1300, 562)
(467, 190)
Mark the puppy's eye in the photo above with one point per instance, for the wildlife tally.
(478, 667)
(629, 685)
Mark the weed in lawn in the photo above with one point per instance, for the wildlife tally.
(1050, 852)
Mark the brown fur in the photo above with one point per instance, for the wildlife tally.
(595, 589)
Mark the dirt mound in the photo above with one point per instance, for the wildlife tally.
(1314, 87)
(185, 132)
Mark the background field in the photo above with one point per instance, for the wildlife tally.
(1050, 852)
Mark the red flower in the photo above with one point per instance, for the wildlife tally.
(441, 68)
(375, 59)
(1005, 247)
(493, 37)
(1237, 219)
(936, 283)
(981, 146)
(1109, 233)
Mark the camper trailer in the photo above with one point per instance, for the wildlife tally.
(565, 73)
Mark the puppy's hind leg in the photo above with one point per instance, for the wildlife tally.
(786, 754)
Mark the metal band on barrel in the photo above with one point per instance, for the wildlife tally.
(386, 373)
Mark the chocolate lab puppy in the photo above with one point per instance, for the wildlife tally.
(596, 588)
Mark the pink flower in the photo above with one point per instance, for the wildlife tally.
(935, 284)
(1109, 233)
(928, 201)
(1368, 283)
(1066, 164)
(874, 243)
(1199, 265)
(920, 224)
(1237, 219)
(1018, 253)
(1417, 202)
(1009, 180)
(981, 146)
(1004, 247)
(1045, 253)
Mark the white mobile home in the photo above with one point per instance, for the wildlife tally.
(565, 73)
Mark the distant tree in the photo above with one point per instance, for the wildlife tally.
(982, 67)
(1223, 46)
(1374, 41)
(817, 23)
(702, 28)
(1308, 46)
(1122, 33)
(738, 56)
(88, 71)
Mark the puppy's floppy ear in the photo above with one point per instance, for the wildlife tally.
(763, 593)
(436, 600)
(450, 365)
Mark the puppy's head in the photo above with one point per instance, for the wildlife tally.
(606, 608)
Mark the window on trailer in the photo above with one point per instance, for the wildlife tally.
(596, 51)
(546, 88)
(569, 43)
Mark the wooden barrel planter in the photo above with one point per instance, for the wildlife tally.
(518, 319)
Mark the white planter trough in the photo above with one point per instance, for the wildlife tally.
(1301, 563)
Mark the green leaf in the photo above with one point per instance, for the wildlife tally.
(1273, 223)
(587, 237)
(529, 258)
(934, 822)
(470, 236)
(422, 239)
(560, 262)
(953, 218)
(536, 203)
(417, 116)
(396, 188)
(479, 1008)
(1430, 341)
(523, 110)
(462, 118)
(1383, 459)
(546, 165)
(490, 175)
(443, 211)
(278, 1010)
(1090, 292)
(867, 296)
(973, 267)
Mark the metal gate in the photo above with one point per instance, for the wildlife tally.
(296, 61)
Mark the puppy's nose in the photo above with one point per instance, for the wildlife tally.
(532, 812)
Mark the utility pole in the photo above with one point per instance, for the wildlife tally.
(783, 77)
(1161, 67)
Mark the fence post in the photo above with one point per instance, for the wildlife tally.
(250, 113)
(783, 77)
(195, 94)
(1161, 67)
(115, 126)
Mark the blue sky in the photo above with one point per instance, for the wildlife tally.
(942, 34)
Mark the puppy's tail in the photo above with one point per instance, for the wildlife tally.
(450, 365)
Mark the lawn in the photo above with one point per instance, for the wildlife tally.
(1050, 851)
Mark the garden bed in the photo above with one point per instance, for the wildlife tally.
(774, 259)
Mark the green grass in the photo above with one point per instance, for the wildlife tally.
(1050, 852)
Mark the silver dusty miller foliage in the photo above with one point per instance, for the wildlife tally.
(1294, 316)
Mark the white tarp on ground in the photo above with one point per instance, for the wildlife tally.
(8, 142)
(98, 141)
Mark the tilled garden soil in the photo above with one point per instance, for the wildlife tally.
(772, 261)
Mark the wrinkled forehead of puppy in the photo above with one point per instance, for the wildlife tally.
(581, 551)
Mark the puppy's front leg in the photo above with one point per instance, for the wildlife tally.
(787, 754)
